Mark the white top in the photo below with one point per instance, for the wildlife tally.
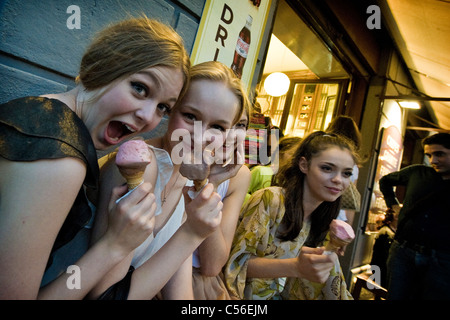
(154, 242)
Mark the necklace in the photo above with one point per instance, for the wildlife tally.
(164, 190)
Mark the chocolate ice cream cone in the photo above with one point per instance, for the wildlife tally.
(199, 184)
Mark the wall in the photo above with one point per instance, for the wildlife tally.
(40, 54)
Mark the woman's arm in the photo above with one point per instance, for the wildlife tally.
(254, 241)
(35, 198)
(110, 177)
(203, 217)
(214, 251)
(179, 286)
(310, 264)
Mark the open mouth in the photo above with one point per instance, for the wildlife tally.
(117, 130)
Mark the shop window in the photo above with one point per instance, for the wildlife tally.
(307, 107)
(317, 79)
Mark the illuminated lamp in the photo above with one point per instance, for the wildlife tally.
(277, 84)
(409, 104)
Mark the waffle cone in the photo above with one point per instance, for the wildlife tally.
(335, 243)
(199, 184)
(133, 179)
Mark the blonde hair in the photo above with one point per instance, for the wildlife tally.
(217, 71)
(129, 46)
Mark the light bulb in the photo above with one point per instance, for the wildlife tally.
(409, 104)
(276, 84)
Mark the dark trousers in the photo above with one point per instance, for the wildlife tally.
(419, 275)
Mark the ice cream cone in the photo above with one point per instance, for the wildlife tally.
(335, 244)
(199, 184)
(341, 234)
(132, 159)
(133, 179)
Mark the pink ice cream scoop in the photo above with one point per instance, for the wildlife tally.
(341, 234)
(132, 159)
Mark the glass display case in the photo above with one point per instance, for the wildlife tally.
(307, 107)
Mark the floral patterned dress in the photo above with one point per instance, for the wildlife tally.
(256, 236)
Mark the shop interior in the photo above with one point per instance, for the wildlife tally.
(302, 83)
(303, 86)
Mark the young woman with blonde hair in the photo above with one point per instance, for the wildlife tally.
(130, 77)
(213, 104)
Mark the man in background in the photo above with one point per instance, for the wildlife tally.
(419, 258)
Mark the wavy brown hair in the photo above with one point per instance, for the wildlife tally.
(291, 179)
(128, 47)
(346, 126)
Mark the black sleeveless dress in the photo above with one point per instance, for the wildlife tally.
(35, 128)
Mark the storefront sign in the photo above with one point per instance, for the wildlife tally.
(390, 152)
(231, 32)
(389, 160)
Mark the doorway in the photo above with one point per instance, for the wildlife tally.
(317, 81)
